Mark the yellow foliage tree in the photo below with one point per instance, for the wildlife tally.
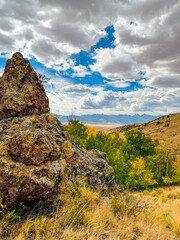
(138, 176)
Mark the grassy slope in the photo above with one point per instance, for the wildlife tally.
(165, 129)
(84, 215)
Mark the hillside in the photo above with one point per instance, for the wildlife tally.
(165, 129)
(85, 215)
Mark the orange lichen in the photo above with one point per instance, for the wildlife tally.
(69, 153)
(51, 119)
(33, 118)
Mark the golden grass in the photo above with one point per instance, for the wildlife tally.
(165, 207)
(165, 129)
(86, 215)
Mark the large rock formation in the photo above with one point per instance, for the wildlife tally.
(35, 150)
(21, 93)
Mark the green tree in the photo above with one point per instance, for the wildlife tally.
(143, 145)
(77, 132)
(176, 175)
(139, 176)
(161, 164)
(120, 165)
(137, 161)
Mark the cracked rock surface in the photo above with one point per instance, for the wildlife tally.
(35, 150)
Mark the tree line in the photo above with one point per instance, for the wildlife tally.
(138, 161)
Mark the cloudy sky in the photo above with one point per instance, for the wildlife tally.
(102, 56)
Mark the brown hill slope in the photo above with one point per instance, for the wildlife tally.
(165, 129)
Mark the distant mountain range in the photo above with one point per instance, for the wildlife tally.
(122, 119)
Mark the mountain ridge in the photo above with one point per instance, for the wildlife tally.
(122, 119)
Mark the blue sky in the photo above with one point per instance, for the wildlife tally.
(101, 56)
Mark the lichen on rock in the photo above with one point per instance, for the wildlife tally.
(35, 150)
(31, 158)
(21, 93)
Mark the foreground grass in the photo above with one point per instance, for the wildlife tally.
(83, 214)
(165, 209)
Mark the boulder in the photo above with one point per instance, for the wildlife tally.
(32, 159)
(35, 150)
(94, 168)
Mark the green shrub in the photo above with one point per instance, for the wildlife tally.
(77, 132)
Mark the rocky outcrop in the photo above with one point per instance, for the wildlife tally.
(32, 160)
(21, 93)
(93, 166)
(35, 150)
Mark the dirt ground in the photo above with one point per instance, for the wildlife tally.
(100, 127)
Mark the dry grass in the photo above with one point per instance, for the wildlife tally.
(85, 215)
(165, 129)
(165, 204)
(103, 127)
